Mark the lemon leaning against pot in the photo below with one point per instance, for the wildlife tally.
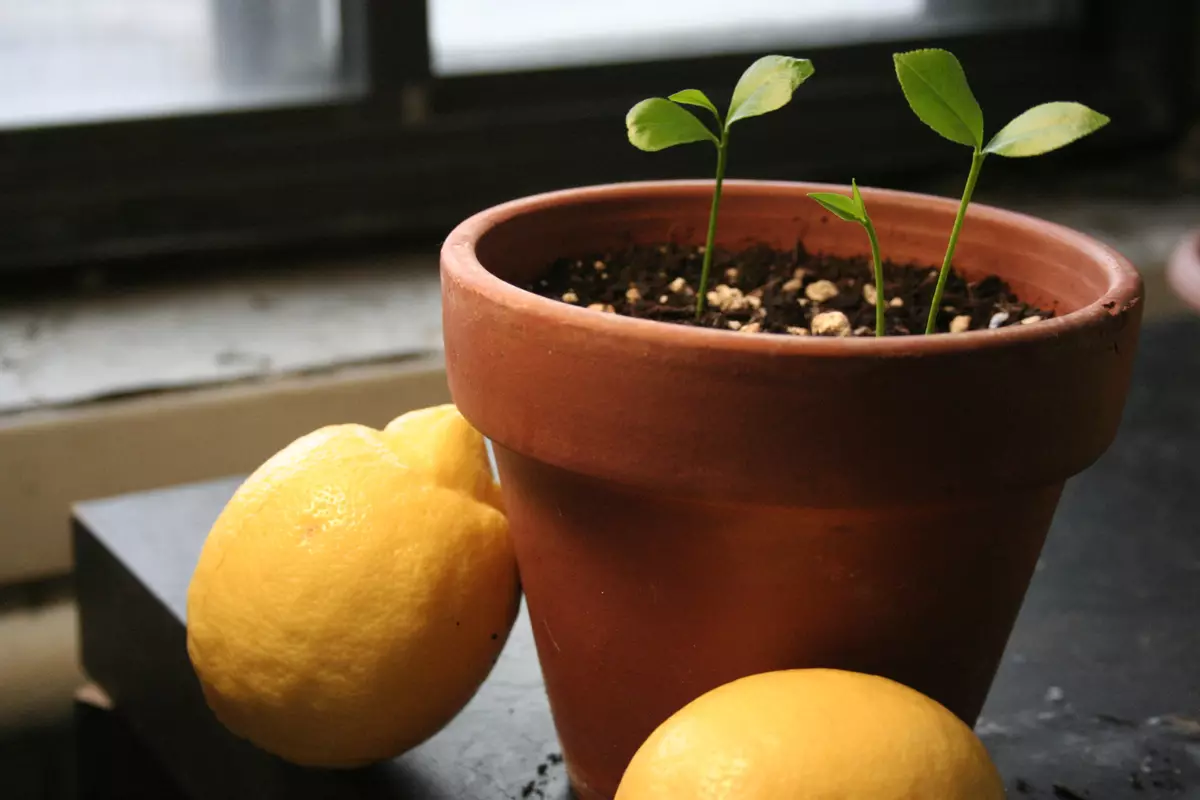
(812, 734)
(356, 590)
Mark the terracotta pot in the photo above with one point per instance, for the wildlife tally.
(1183, 270)
(691, 506)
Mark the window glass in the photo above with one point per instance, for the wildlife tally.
(93, 60)
(473, 36)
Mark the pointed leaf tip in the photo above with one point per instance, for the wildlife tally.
(936, 88)
(767, 85)
(695, 97)
(1044, 128)
(657, 123)
(838, 204)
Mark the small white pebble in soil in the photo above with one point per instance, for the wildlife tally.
(701, 249)
(863, 330)
(896, 302)
(960, 324)
(632, 294)
(607, 309)
(796, 330)
(677, 285)
(794, 285)
(803, 301)
(869, 293)
(820, 291)
(734, 325)
(831, 323)
(727, 298)
(752, 327)
(598, 265)
(998, 319)
(731, 274)
(570, 297)
(754, 301)
(1055, 695)
(662, 248)
(1031, 320)
(662, 298)
(799, 274)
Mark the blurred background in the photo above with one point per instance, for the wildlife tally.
(133, 128)
(219, 218)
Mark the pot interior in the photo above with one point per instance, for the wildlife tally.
(1042, 262)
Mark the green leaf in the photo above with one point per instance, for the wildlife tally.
(657, 123)
(858, 200)
(936, 88)
(766, 86)
(838, 204)
(695, 97)
(1044, 128)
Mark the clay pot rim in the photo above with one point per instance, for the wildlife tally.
(459, 258)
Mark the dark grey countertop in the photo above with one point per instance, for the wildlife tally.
(1098, 695)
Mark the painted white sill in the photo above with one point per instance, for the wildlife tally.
(68, 351)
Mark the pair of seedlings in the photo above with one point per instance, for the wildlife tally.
(936, 88)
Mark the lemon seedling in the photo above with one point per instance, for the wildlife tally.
(661, 122)
(938, 93)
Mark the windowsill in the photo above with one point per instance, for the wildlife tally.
(62, 352)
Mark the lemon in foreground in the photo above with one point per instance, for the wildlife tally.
(356, 590)
(812, 734)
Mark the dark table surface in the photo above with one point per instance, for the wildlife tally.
(1098, 695)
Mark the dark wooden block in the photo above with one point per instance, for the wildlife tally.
(111, 761)
(1097, 693)
(134, 560)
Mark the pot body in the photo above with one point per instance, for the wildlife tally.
(692, 506)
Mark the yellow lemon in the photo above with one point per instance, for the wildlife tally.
(812, 734)
(355, 591)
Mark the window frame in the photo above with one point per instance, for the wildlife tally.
(416, 153)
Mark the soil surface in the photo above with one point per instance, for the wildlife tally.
(791, 292)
